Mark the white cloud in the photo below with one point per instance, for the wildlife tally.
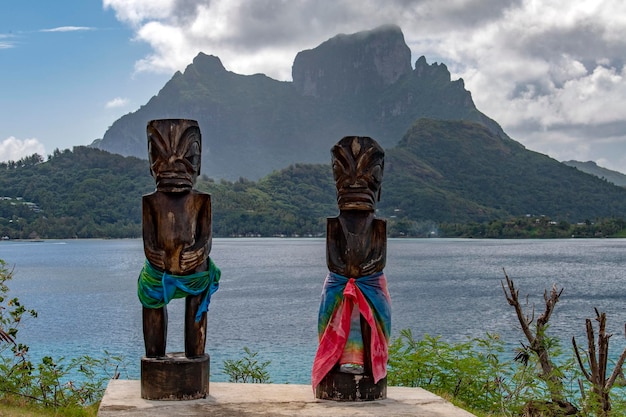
(544, 70)
(5, 43)
(116, 102)
(67, 29)
(137, 11)
(12, 149)
(542, 64)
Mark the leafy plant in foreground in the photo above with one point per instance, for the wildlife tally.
(471, 372)
(48, 382)
(247, 369)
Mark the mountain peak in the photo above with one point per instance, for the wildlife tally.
(359, 84)
(206, 64)
(422, 69)
(353, 64)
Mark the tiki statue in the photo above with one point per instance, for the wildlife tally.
(176, 237)
(355, 315)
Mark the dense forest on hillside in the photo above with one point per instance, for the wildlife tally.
(291, 202)
(80, 193)
(443, 179)
(460, 172)
(90, 193)
(531, 227)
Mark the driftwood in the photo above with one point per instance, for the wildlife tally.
(537, 344)
(598, 357)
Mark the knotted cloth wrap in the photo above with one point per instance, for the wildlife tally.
(156, 288)
(339, 296)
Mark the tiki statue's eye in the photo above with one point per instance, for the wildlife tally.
(193, 154)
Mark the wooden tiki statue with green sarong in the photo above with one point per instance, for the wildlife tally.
(177, 241)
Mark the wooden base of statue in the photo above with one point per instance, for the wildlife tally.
(341, 386)
(175, 377)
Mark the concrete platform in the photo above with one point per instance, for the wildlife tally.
(123, 399)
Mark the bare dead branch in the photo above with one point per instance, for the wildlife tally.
(598, 356)
(550, 304)
(580, 361)
(593, 361)
(537, 339)
(512, 297)
(6, 337)
(617, 370)
(603, 348)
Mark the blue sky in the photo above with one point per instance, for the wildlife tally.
(550, 72)
(67, 72)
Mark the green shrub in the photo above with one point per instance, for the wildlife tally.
(247, 369)
(474, 375)
(470, 372)
(53, 383)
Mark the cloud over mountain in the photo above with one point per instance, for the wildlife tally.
(13, 149)
(551, 73)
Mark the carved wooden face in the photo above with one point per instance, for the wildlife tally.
(358, 170)
(174, 147)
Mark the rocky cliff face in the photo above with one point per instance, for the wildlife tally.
(252, 125)
(353, 64)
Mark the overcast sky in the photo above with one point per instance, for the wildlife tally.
(550, 72)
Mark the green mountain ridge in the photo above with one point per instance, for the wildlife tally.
(441, 172)
(266, 154)
(592, 168)
(460, 171)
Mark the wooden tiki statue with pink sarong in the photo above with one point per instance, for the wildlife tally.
(355, 311)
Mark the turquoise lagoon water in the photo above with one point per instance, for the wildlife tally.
(85, 294)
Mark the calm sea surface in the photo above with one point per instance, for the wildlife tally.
(85, 294)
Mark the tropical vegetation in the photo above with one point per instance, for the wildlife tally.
(49, 386)
(540, 378)
(444, 179)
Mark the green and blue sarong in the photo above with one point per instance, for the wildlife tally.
(157, 288)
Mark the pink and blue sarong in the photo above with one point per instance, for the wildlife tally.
(339, 297)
